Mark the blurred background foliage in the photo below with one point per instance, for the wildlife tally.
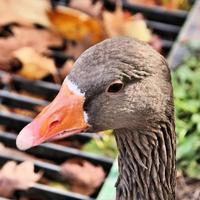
(186, 82)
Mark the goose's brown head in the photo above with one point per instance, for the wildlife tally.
(118, 83)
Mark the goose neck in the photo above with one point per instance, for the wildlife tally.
(146, 163)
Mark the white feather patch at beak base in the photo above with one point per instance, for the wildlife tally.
(76, 90)
(63, 117)
(73, 87)
(86, 117)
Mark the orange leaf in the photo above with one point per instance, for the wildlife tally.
(75, 25)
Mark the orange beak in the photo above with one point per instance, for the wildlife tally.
(61, 118)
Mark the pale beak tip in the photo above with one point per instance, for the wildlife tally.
(25, 139)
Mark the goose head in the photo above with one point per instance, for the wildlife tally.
(118, 83)
(125, 85)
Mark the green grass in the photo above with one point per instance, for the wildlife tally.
(186, 82)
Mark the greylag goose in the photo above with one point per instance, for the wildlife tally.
(124, 85)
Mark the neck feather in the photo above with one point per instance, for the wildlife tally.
(146, 163)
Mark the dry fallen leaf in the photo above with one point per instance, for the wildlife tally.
(87, 6)
(4, 109)
(34, 65)
(113, 22)
(23, 36)
(187, 188)
(122, 23)
(76, 25)
(82, 176)
(27, 113)
(6, 151)
(144, 2)
(10, 152)
(24, 12)
(2, 127)
(28, 94)
(168, 4)
(156, 43)
(10, 110)
(76, 49)
(67, 67)
(5, 80)
(17, 176)
(136, 27)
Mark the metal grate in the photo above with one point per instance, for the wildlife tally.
(49, 151)
(164, 23)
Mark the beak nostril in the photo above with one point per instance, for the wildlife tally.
(54, 123)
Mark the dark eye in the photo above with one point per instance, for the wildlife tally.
(115, 87)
